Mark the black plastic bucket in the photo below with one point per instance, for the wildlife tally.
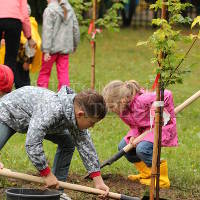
(31, 194)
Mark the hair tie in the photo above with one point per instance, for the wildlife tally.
(127, 84)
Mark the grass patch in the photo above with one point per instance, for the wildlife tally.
(117, 57)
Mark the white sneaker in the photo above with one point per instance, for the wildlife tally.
(64, 196)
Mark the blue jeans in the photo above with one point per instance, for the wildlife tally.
(142, 152)
(5, 133)
(63, 154)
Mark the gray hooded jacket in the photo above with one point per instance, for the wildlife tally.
(59, 35)
(38, 112)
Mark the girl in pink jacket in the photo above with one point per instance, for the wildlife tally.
(135, 107)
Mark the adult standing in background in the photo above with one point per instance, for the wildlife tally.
(13, 19)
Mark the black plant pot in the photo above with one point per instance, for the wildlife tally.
(31, 194)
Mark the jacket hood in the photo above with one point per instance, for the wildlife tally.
(56, 7)
(66, 96)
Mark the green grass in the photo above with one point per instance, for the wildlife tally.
(117, 57)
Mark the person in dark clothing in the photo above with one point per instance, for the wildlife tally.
(14, 18)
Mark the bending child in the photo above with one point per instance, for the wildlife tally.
(62, 118)
(60, 37)
(134, 105)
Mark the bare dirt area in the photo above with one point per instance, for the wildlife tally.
(118, 184)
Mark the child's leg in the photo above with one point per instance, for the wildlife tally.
(12, 34)
(131, 155)
(144, 151)
(5, 133)
(45, 72)
(63, 155)
(62, 64)
(22, 77)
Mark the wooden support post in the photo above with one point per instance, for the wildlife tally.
(155, 145)
(155, 171)
(93, 46)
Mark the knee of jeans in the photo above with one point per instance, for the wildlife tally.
(68, 148)
(144, 148)
(120, 146)
(140, 150)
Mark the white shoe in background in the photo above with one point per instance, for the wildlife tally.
(64, 196)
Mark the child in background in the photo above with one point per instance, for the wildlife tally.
(62, 118)
(60, 37)
(6, 80)
(133, 105)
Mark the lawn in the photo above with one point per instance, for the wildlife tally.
(117, 57)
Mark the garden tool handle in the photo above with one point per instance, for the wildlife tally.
(120, 153)
(187, 102)
(16, 175)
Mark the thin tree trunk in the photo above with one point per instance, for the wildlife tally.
(93, 46)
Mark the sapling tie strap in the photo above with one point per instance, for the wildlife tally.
(158, 104)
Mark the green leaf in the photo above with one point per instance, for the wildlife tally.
(142, 43)
(196, 20)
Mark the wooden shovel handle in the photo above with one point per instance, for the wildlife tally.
(16, 175)
(187, 102)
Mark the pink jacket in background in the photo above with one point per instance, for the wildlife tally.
(16, 9)
(137, 117)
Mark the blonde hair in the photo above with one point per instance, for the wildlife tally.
(63, 7)
(114, 91)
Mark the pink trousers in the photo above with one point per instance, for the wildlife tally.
(62, 66)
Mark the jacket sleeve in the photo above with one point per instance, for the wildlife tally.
(44, 117)
(133, 132)
(26, 26)
(87, 151)
(47, 30)
(76, 31)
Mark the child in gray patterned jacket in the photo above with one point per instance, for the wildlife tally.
(62, 118)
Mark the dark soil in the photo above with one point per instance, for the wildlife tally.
(117, 184)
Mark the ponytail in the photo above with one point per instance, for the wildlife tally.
(62, 5)
(133, 86)
(116, 90)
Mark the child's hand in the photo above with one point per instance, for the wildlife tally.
(26, 66)
(47, 57)
(1, 165)
(51, 181)
(131, 141)
(2, 42)
(31, 43)
(74, 50)
(99, 184)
